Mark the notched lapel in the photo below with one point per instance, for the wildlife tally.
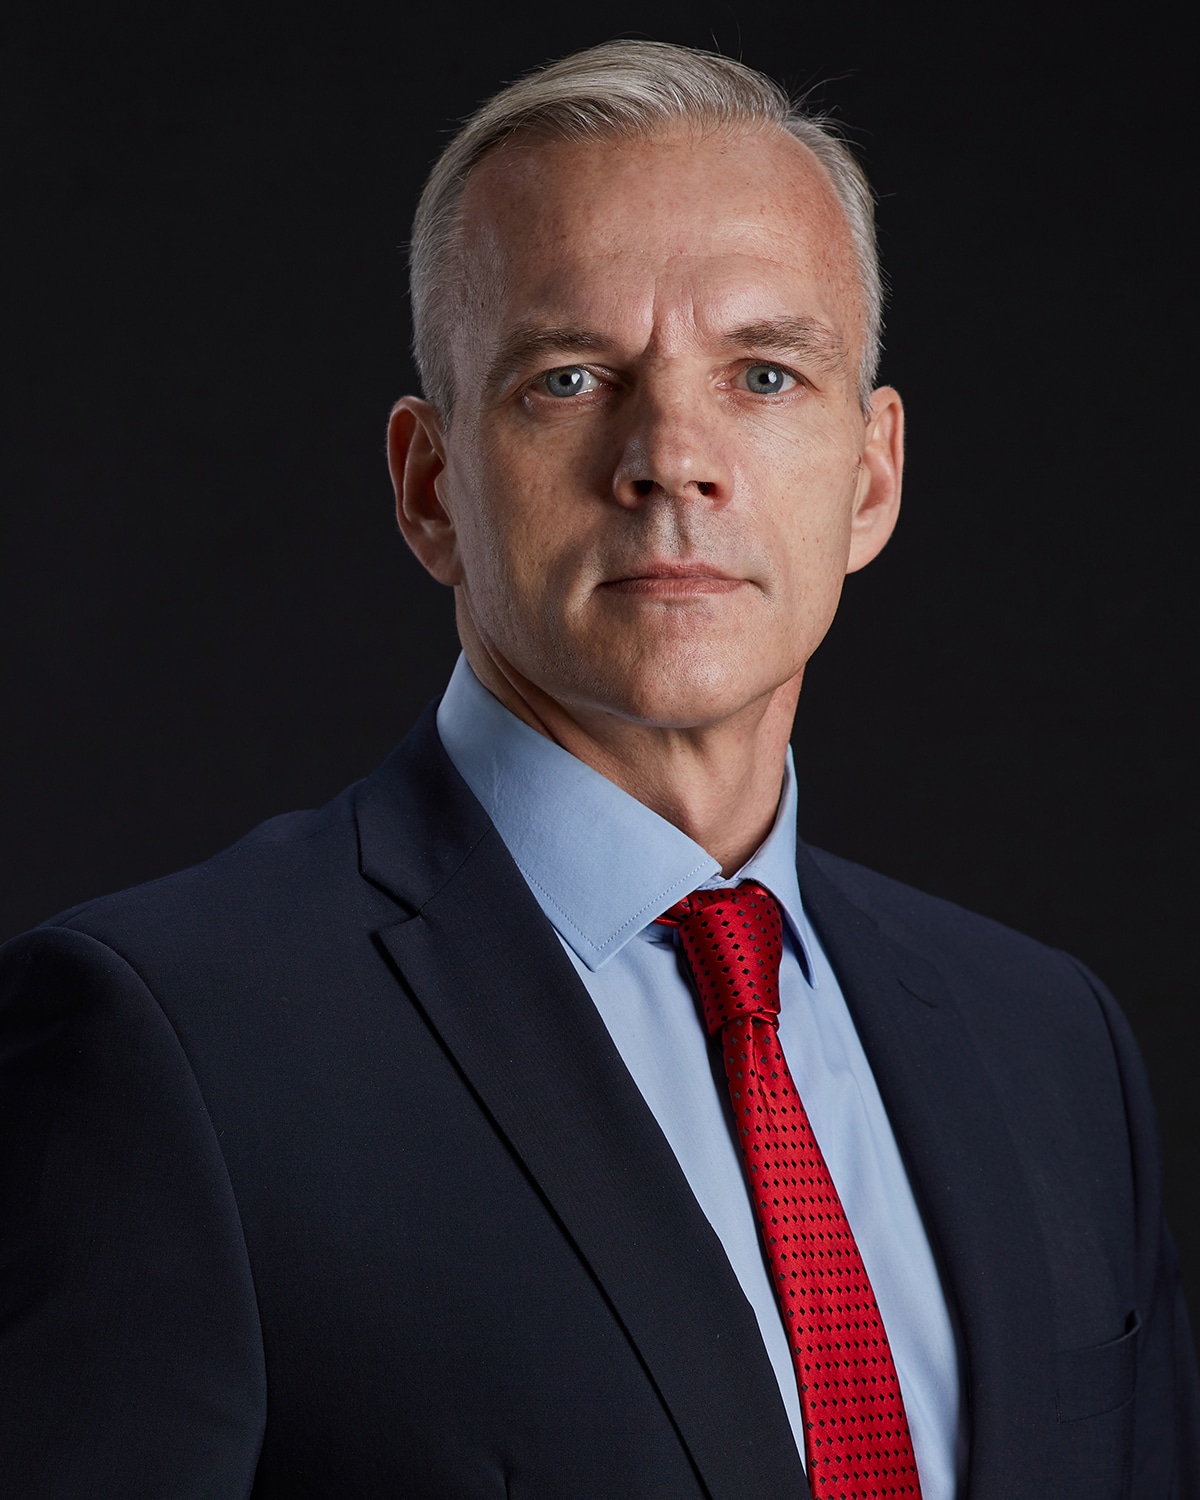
(484, 966)
(963, 1165)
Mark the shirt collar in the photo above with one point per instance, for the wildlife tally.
(601, 864)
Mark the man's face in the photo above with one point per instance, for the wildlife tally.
(654, 475)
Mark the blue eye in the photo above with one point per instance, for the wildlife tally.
(768, 380)
(571, 380)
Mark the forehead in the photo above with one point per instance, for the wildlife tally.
(710, 226)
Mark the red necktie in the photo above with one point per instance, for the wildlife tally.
(855, 1431)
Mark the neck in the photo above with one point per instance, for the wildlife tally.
(717, 782)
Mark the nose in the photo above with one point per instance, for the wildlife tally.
(672, 449)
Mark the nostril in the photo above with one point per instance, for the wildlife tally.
(644, 488)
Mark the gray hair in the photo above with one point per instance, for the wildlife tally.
(632, 89)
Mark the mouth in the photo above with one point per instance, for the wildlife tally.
(675, 580)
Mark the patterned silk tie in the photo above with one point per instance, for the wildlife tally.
(857, 1443)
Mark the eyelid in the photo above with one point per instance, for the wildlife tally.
(773, 364)
(536, 383)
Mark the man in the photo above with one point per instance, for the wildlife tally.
(390, 1152)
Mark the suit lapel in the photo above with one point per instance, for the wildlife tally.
(964, 1168)
(480, 960)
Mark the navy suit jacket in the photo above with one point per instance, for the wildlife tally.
(323, 1178)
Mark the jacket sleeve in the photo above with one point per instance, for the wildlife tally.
(1166, 1459)
(130, 1352)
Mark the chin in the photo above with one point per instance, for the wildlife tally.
(669, 693)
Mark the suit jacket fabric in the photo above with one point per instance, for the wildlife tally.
(322, 1177)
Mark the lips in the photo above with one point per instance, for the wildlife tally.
(675, 580)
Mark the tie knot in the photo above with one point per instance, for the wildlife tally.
(733, 941)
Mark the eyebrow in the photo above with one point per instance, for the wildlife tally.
(804, 338)
(528, 342)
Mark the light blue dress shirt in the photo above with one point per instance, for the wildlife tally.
(602, 866)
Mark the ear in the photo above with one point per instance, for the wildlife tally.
(417, 460)
(877, 497)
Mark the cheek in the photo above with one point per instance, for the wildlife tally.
(809, 531)
(552, 492)
(518, 539)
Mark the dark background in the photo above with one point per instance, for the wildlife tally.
(208, 615)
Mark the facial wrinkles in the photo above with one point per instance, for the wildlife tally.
(609, 545)
(787, 223)
(694, 309)
(670, 317)
(665, 303)
(666, 530)
(645, 310)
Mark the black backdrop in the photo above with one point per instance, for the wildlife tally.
(209, 617)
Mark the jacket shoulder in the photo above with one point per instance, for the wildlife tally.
(298, 893)
(941, 930)
(282, 858)
(285, 906)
